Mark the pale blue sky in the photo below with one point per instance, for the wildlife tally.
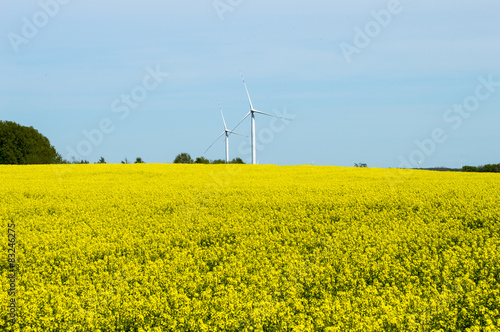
(70, 74)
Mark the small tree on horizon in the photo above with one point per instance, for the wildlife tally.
(139, 160)
(101, 161)
(183, 158)
(237, 161)
(469, 169)
(202, 160)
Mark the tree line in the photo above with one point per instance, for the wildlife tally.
(101, 160)
(185, 158)
(181, 158)
(21, 145)
(488, 168)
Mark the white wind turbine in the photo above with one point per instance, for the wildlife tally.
(226, 132)
(252, 113)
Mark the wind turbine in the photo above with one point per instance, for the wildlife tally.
(226, 132)
(252, 113)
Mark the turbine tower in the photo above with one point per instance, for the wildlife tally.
(252, 113)
(226, 132)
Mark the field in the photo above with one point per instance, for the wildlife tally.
(249, 248)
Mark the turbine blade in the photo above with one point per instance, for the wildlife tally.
(214, 142)
(223, 120)
(246, 116)
(275, 116)
(233, 132)
(246, 89)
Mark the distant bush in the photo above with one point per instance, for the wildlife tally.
(237, 161)
(202, 160)
(469, 169)
(183, 158)
(488, 168)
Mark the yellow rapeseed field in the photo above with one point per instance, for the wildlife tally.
(249, 248)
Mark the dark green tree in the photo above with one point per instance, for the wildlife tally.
(490, 168)
(219, 161)
(139, 160)
(469, 169)
(183, 158)
(101, 161)
(20, 145)
(202, 160)
(237, 161)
